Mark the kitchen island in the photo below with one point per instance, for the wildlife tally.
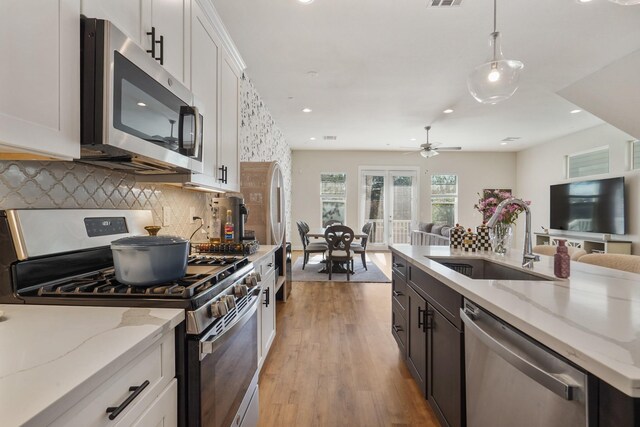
(592, 319)
(54, 357)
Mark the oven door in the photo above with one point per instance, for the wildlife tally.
(227, 374)
(140, 109)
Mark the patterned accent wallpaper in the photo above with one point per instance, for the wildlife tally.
(26, 184)
(261, 140)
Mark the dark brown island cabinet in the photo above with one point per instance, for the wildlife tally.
(427, 327)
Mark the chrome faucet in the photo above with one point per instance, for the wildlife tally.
(528, 257)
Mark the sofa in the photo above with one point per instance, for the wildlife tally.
(430, 234)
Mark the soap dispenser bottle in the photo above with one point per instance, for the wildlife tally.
(561, 260)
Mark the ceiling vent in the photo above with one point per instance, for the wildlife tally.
(330, 138)
(443, 3)
(511, 138)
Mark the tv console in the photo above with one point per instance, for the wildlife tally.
(590, 245)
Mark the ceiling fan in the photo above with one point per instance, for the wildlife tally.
(429, 150)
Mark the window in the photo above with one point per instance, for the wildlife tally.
(333, 197)
(593, 162)
(444, 199)
(635, 154)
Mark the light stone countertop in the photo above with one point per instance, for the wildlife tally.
(52, 356)
(592, 318)
(262, 252)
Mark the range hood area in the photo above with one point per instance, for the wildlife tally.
(608, 95)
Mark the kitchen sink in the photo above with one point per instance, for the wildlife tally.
(482, 269)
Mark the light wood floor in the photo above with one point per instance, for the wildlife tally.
(335, 363)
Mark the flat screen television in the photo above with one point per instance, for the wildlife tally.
(596, 206)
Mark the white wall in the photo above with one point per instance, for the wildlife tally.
(543, 165)
(476, 171)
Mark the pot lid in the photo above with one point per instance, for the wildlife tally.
(145, 241)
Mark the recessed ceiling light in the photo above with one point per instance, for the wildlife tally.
(305, 1)
(142, 104)
(579, 1)
(412, 139)
(306, 110)
(575, 111)
(312, 74)
(448, 111)
(503, 143)
(313, 138)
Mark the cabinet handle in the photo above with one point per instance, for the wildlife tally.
(152, 51)
(429, 321)
(397, 265)
(267, 295)
(397, 328)
(421, 318)
(226, 174)
(270, 265)
(114, 411)
(397, 293)
(161, 43)
(223, 173)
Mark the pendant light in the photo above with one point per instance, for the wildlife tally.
(497, 79)
(626, 2)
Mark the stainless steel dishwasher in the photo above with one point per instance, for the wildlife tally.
(513, 381)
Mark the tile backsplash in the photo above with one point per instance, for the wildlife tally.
(31, 184)
(74, 185)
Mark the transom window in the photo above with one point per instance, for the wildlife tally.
(444, 199)
(592, 162)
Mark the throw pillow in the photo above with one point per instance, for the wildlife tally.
(437, 229)
(445, 231)
(425, 226)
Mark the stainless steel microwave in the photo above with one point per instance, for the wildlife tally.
(135, 116)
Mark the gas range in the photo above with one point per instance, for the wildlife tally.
(62, 256)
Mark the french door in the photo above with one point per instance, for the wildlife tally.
(389, 199)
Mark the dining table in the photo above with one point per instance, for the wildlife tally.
(318, 233)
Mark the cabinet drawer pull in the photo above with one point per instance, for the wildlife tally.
(397, 328)
(397, 293)
(267, 297)
(114, 411)
(397, 265)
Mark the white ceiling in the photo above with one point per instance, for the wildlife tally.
(386, 68)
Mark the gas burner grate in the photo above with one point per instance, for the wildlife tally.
(104, 284)
(213, 260)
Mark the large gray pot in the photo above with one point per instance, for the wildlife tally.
(149, 260)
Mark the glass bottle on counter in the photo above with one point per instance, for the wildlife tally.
(561, 260)
(216, 225)
(229, 228)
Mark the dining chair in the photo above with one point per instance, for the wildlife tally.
(307, 247)
(361, 248)
(339, 238)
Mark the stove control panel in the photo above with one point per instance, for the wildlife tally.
(105, 226)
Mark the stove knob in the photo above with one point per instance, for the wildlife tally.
(213, 310)
(222, 308)
(254, 281)
(230, 300)
(257, 275)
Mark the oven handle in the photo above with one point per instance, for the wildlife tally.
(208, 346)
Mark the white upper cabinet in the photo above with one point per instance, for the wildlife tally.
(167, 19)
(228, 152)
(205, 48)
(40, 79)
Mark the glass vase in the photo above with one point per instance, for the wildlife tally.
(500, 236)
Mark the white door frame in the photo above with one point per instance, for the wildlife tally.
(387, 170)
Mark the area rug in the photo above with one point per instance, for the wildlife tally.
(310, 272)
